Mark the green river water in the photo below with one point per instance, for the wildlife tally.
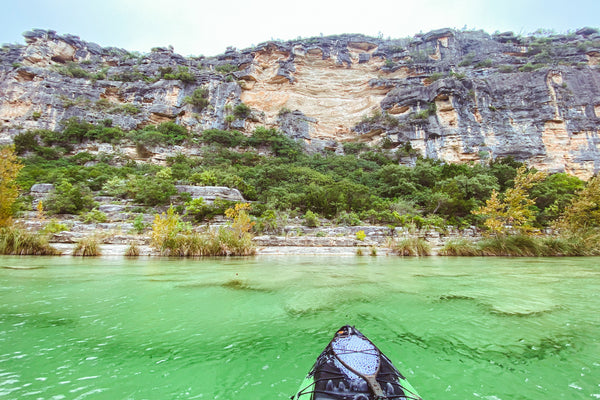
(251, 328)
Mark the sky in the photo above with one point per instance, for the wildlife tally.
(208, 27)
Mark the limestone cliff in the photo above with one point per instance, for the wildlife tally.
(453, 95)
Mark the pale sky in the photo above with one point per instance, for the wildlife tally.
(209, 27)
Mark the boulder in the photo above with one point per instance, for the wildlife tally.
(210, 193)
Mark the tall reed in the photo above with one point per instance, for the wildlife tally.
(17, 241)
(87, 247)
(412, 246)
(459, 247)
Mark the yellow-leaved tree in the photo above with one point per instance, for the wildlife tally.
(583, 215)
(9, 190)
(513, 211)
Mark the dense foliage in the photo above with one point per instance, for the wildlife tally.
(366, 185)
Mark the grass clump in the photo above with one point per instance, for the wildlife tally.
(17, 241)
(87, 247)
(530, 246)
(132, 250)
(512, 245)
(460, 247)
(412, 247)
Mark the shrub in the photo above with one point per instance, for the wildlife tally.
(267, 223)
(69, 199)
(348, 218)
(241, 111)
(311, 219)
(152, 191)
(54, 226)
(198, 99)
(73, 70)
(527, 67)
(16, 241)
(176, 133)
(225, 138)
(412, 247)
(361, 235)
(138, 224)
(87, 247)
(199, 209)
(354, 147)
(26, 141)
(183, 74)
(434, 77)
(94, 216)
(226, 68)
(165, 133)
(484, 64)
(467, 60)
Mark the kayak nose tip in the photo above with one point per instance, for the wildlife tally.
(345, 330)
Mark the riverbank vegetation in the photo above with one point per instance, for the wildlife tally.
(365, 185)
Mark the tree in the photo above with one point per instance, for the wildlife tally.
(514, 210)
(584, 212)
(9, 191)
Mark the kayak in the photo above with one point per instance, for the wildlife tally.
(352, 368)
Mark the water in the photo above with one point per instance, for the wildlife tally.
(458, 328)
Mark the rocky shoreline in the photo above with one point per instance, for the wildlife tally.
(115, 238)
(118, 232)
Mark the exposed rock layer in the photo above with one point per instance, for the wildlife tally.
(456, 96)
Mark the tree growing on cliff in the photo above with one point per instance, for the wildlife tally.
(514, 211)
(9, 191)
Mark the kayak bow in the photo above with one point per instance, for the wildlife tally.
(352, 368)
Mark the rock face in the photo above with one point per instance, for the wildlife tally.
(452, 95)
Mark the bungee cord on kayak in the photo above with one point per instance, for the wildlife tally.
(352, 368)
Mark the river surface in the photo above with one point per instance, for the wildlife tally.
(251, 328)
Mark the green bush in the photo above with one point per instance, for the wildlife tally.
(224, 138)
(226, 68)
(69, 199)
(311, 219)
(241, 111)
(484, 64)
(198, 99)
(26, 141)
(94, 216)
(165, 133)
(138, 224)
(73, 70)
(183, 74)
(152, 190)
(53, 226)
